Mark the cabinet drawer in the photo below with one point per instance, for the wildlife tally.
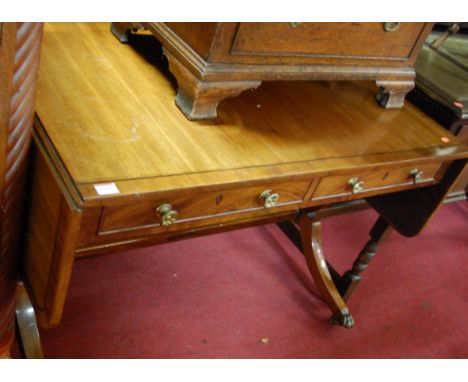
(365, 40)
(402, 177)
(198, 205)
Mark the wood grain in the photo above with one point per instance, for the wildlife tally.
(126, 121)
(347, 40)
(42, 230)
(309, 46)
(20, 45)
(198, 35)
(333, 186)
(195, 205)
(112, 244)
(53, 227)
(252, 52)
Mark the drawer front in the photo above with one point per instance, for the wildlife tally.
(198, 205)
(357, 40)
(347, 186)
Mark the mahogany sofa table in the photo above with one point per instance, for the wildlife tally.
(117, 166)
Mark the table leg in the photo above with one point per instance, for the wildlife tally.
(29, 338)
(312, 248)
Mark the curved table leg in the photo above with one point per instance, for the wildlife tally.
(312, 248)
(27, 325)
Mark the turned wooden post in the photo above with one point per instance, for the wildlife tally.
(352, 278)
(20, 45)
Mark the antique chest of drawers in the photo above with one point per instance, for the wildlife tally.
(118, 170)
(213, 61)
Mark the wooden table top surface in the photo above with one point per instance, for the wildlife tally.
(110, 115)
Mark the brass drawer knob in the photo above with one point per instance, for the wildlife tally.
(416, 175)
(391, 27)
(356, 184)
(168, 215)
(269, 198)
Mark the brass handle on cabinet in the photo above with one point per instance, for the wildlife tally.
(270, 198)
(391, 27)
(168, 215)
(356, 184)
(416, 174)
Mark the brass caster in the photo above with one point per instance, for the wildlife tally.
(345, 320)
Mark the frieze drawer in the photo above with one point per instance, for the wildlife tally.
(337, 40)
(365, 183)
(190, 206)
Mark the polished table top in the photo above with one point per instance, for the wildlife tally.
(111, 116)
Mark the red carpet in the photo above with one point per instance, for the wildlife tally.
(220, 295)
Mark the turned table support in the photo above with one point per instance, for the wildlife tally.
(352, 278)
